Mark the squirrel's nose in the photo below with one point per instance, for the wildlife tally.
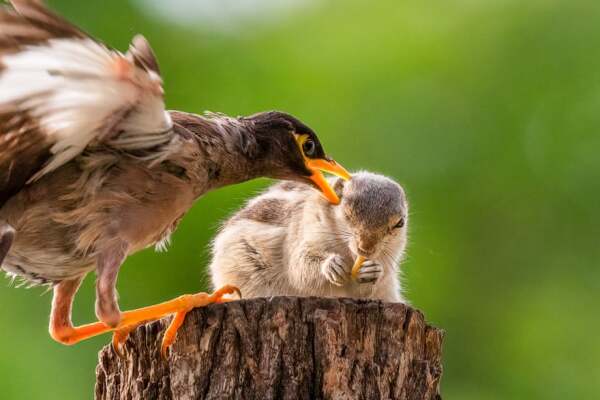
(365, 245)
(364, 251)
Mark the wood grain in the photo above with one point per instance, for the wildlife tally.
(281, 348)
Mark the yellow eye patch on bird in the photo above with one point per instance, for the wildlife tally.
(319, 165)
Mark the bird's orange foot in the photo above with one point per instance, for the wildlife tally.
(132, 319)
(190, 302)
(63, 334)
(120, 337)
(179, 306)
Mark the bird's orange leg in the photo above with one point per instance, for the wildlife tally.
(61, 327)
(171, 332)
(179, 306)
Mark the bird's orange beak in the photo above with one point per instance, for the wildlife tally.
(317, 167)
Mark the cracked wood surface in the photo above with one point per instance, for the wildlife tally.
(281, 348)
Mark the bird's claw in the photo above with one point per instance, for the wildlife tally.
(119, 338)
(189, 302)
(235, 290)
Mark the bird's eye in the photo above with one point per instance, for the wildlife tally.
(309, 147)
(400, 224)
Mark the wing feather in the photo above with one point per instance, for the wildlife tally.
(61, 91)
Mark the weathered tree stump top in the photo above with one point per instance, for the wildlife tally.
(281, 348)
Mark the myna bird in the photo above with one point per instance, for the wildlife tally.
(93, 168)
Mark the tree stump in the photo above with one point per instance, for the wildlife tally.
(281, 348)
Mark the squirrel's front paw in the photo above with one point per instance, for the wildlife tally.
(369, 272)
(335, 270)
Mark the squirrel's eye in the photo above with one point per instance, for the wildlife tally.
(400, 224)
(309, 148)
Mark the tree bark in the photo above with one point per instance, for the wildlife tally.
(281, 348)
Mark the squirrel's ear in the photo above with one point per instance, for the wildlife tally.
(338, 187)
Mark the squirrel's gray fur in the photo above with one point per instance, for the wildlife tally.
(289, 241)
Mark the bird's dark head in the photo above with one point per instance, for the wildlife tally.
(292, 150)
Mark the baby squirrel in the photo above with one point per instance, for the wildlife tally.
(289, 241)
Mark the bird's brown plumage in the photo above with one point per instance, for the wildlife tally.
(24, 148)
(92, 167)
(48, 69)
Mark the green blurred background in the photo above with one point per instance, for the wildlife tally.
(486, 111)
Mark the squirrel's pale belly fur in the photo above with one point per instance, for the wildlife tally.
(278, 243)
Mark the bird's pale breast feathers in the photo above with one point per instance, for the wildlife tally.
(61, 91)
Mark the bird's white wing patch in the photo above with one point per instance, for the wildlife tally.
(78, 91)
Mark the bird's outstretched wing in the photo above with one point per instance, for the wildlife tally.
(61, 91)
